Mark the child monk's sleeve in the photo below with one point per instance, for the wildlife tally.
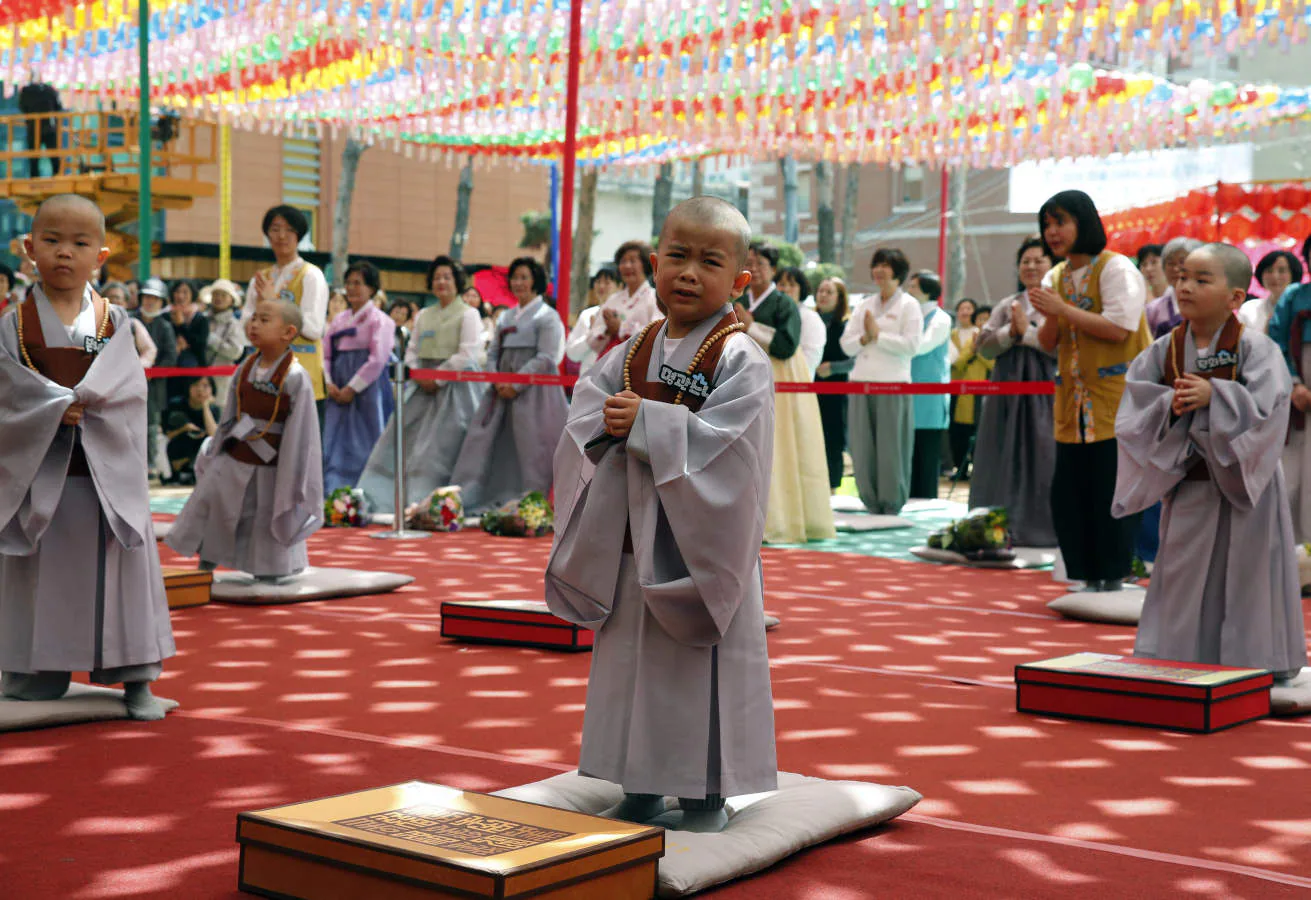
(697, 540)
(1154, 450)
(298, 486)
(1242, 432)
(33, 451)
(591, 502)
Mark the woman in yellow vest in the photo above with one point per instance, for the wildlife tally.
(1092, 304)
(292, 278)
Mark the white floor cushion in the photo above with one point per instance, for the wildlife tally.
(1122, 607)
(312, 584)
(162, 529)
(843, 503)
(863, 521)
(1293, 698)
(771, 622)
(82, 703)
(762, 828)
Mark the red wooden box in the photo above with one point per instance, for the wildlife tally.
(518, 623)
(1159, 692)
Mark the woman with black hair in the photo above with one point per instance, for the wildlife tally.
(1014, 450)
(793, 282)
(629, 309)
(883, 333)
(510, 445)
(799, 509)
(292, 278)
(356, 349)
(446, 335)
(1277, 271)
(1092, 307)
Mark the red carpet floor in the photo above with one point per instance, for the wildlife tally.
(886, 671)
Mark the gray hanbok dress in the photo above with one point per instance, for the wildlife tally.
(507, 451)
(679, 701)
(1015, 447)
(436, 423)
(80, 582)
(256, 518)
(1224, 589)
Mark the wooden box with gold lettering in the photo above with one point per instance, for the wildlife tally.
(187, 587)
(420, 840)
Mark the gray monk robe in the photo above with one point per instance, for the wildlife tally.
(80, 585)
(657, 548)
(1225, 588)
(259, 487)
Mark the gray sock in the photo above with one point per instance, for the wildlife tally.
(141, 704)
(637, 808)
(35, 686)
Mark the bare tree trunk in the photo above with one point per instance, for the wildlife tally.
(824, 210)
(582, 248)
(791, 227)
(461, 232)
(850, 199)
(956, 238)
(662, 198)
(341, 216)
(698, 178)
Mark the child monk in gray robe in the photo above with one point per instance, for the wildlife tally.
(1201, 426)
(662, 477)
(80, 583)
(259, 487)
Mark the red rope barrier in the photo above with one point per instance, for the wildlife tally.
(979, 388)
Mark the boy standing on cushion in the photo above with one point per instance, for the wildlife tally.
(80, 585)
(1201, 427)
(662, 477)
(259, 488)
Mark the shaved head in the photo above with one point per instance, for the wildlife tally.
(717, 214)
(288, 311)
(63, 204)
(1233, 262)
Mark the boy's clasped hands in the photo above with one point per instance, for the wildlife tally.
(1190, 392)
(620, 413)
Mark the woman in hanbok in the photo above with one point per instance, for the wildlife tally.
(511, 442)
(629, 309)
(446, 335)
(799, 508)
(967, 364)
(1014, 449)
(356, 349)
(1290, 328)
(578, 349)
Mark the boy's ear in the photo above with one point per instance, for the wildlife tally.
(1237, 297)
(655, 261)
(29, 249)
(102, 257)
(740, 282)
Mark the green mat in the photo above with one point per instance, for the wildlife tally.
(893, 543)
(167, 504)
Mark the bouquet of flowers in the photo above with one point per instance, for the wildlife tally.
(530, 516)
(344, 508)
(442, 510)
(981, 535)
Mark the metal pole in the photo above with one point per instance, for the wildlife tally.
(555, 225)
(942, 226)
(225, 201)
(398, 376)
(570, 162)
(145, 225)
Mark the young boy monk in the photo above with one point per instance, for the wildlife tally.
(1201, 427)
(259, 488)
(80, 585)
(662, 477)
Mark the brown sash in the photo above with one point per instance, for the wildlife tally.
(65, 366)
(1222, 364)
(260, 405)
(640, 362)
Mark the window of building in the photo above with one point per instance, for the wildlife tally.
(908, 189)
(301, 165)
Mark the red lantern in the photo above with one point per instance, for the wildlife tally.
(1261, 198)
(1237, 229)
(1293, 197)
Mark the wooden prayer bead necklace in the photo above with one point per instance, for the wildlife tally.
(22, 345)
(696, 360)
(277, 401)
